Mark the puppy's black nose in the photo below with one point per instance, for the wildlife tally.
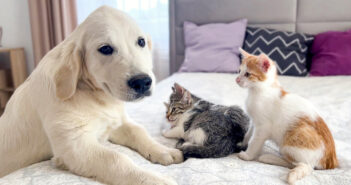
(140, 83)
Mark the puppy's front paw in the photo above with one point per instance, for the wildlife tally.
(244, 156)
(177, 155)
(160, 181)
(155, 179)
(166, 156)
(167, 181)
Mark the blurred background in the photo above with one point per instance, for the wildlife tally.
(37, 26)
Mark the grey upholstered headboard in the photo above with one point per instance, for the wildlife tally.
(308, 16)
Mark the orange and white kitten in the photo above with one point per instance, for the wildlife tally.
(291, 121)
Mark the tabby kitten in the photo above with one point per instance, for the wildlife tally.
(204, 129)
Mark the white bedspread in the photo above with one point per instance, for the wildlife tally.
(332, 95)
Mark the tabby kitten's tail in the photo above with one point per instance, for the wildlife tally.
(211, 151)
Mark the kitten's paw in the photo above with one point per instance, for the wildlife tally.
(299, 172)
(292, 178)
(164, 132)
(244, 156)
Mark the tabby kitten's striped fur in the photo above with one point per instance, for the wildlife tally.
(204, 129)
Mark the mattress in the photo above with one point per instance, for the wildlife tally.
(332, 96)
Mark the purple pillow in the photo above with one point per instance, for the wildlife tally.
(213, 47)
(331, 54)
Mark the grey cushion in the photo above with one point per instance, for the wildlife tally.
(288, 49)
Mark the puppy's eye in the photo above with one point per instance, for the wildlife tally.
(106, 50)
(247, 74)
(141, 42)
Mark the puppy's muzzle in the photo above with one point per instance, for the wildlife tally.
(140, 84)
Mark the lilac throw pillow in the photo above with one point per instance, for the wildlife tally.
(331, 54)
(213, 47)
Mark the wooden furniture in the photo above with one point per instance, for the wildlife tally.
(13, 72)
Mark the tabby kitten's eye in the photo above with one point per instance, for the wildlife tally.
(247, 74)
(173, 109)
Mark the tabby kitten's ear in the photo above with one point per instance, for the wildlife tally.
(166, 104)
(178, 89)
(186, 99)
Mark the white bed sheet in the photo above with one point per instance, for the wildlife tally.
(332, 95)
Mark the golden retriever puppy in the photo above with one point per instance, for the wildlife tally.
(74, 99)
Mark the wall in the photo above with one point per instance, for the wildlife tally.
(14, 19)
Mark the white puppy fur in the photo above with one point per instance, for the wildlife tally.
(74, 99)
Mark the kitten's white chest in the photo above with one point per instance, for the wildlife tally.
(184, 118)
(259, 108)
(253, 105)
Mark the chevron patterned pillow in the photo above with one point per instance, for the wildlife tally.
(288, 49)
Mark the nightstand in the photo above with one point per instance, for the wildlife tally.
(13, 72)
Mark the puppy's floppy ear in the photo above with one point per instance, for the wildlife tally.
(67, 74)
(149, 42)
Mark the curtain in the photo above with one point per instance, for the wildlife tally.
(51, 21)
(151, 16)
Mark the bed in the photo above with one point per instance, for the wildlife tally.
(334, 105)
(332, 96)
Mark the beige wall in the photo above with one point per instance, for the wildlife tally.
(14, 19)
